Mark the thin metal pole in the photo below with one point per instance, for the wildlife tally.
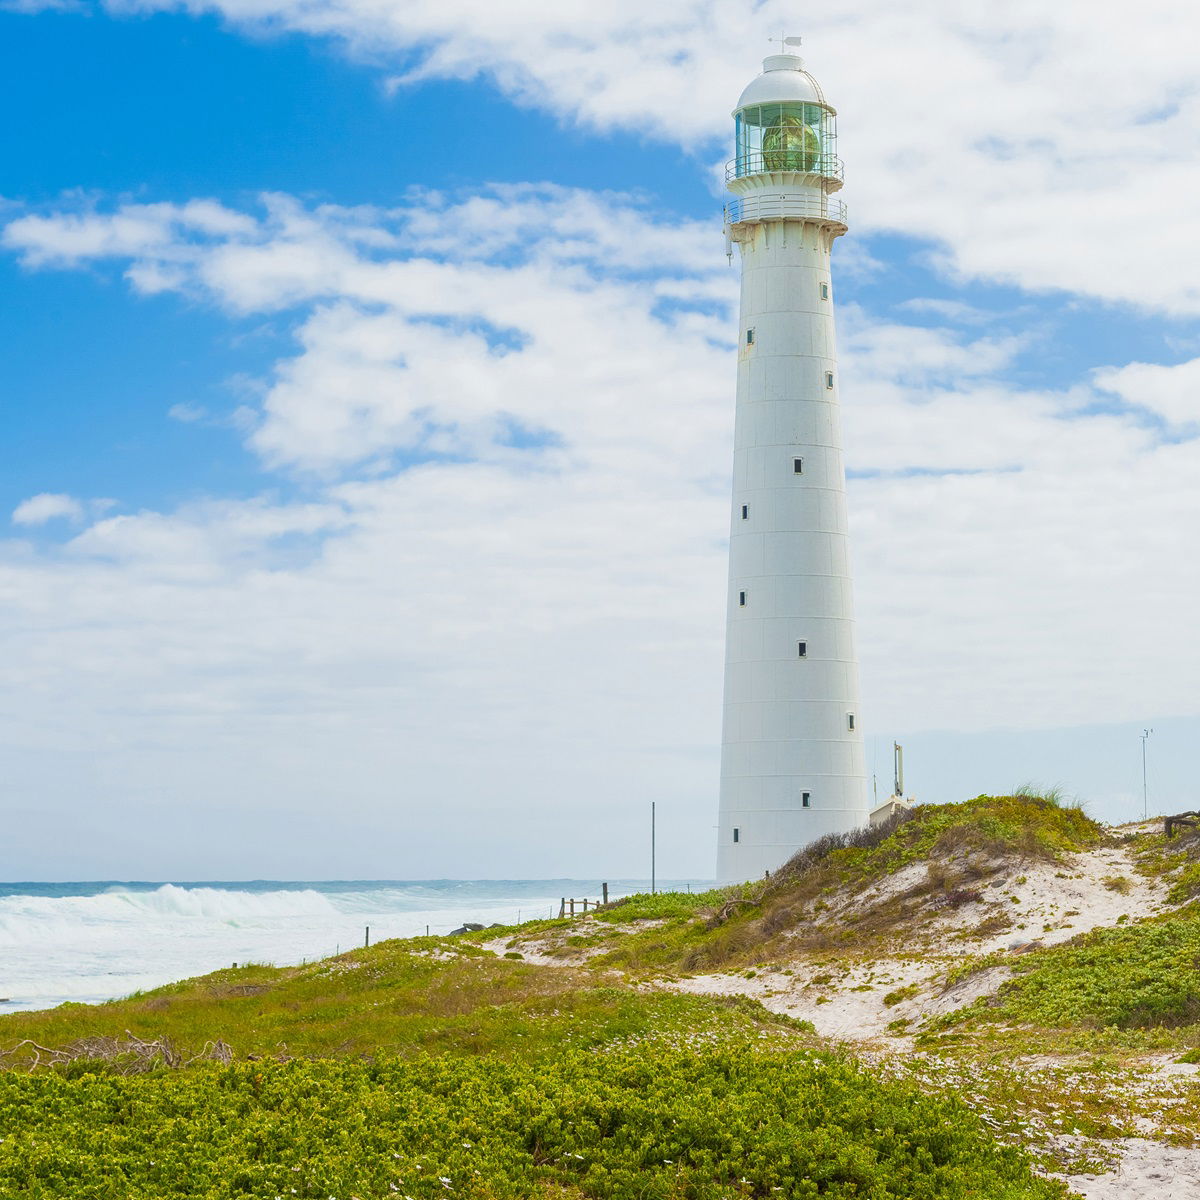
(653, 849)
(367, 943)
(1145, 789)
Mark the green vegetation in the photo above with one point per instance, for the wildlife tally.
(959, 844)
(1177, 861)
(664, 905)
(1138, 976)
(1024, 825)
(900, 995)
(393, 999)
(627, 1124)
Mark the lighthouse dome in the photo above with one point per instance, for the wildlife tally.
(784, 126)
(783, 81)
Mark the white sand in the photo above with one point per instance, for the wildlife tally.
(1146, 1169)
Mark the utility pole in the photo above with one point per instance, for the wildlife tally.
(653, 849)
(1145, 789)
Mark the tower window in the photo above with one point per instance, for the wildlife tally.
(745, 512)
(824, 291)
(805, 797)
(797, 466)
(742, 599)
(829, 379)
(849, 720)
(736, 834)
(749, 337)
(803, 648)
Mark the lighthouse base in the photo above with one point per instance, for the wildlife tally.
(754, 844)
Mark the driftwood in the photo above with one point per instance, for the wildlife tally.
(727, 910)
(1185, 820)
(129, 1056)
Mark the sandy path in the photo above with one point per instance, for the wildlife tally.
(1148, 1170)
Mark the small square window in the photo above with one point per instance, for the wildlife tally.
(849, 720)
(824, 291)
(745, 512)
(803, 648)
(742, 599)
(749, 337)
(797, 466)
(805, 797)
(736, 834)
(829, 379)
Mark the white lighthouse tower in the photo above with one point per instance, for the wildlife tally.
(792, 764)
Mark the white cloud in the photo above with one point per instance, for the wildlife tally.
(1171, 392)
(500, 587)
(188, 414)
(1054, 147)
(47, 506)
(134, 229)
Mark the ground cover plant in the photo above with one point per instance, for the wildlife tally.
(1176, 860)
(1138, 977)
(653, 1121)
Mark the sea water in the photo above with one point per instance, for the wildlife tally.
(89, 942)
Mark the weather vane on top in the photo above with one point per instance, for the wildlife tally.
(785, 42)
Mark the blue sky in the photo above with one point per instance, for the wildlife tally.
(167, 107)
(276, 540)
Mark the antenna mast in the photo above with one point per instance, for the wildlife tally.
(1145, 789)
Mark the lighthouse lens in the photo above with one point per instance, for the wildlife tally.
(791, 145)
(782, 137)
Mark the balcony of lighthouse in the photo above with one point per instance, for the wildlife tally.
(786, 206)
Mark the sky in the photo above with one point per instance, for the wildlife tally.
(366, 405)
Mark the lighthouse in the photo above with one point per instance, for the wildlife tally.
(792, 763)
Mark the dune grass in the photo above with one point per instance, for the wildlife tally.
(397, 998)
(957, 843)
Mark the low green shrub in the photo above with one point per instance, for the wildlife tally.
(644, 1123)
(1136, 976)
(644, 906)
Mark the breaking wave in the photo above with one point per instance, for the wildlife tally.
(94, 942)
(25, 918)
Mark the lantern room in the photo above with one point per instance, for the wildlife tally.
(783, 124)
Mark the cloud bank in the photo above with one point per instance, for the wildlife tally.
(1051, 147)
(495, 580)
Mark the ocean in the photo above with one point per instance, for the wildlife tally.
(88, 942)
